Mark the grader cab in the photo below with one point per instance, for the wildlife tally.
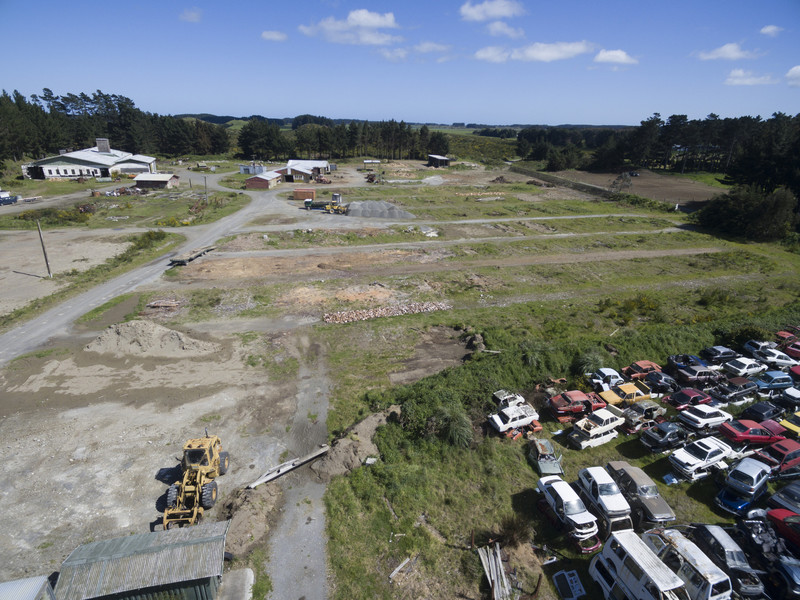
(203, 461)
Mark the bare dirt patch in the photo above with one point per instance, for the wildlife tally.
(667, 188)
(23, 273)
(437, 349)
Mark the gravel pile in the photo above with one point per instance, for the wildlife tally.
(348, 316)
(377, 210)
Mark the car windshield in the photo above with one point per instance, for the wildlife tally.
(737, 364)
(574, 507)
(773, 453)
(735, 556)
(737, 425)
(698, 451)
(194, 457)
(594, 417)
(504, 418)
(697, 413)
(608, 489)
(680, 398)
(742, 477)
(648, 490)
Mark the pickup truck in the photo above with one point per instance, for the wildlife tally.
(597, 428)
(630, 392)
(571, 405)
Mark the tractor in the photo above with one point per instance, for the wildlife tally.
(203, 461)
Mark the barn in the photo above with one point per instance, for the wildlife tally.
(437, 160)
(263, 181)
(156, 181)
(182, 564)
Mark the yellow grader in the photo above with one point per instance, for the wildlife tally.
(203, 461)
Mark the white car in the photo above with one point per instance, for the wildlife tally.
(775, 358)
(604, 379)
(703, 417)
(512, 417)
(744, 367)
(568, 507)
(753, 346)
(602, 492)
(695, 461)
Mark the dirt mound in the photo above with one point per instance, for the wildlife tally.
(249, 512)
(145, 338)
(350, 452)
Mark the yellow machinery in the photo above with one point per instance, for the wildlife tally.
(203, 461)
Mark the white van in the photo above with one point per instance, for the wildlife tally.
(704, 580)
(627, 569)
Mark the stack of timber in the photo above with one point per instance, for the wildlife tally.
(495, 573)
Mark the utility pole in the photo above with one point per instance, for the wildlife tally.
(205, 183)
(44, 250)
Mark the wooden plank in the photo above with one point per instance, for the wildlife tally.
(284, 468)
(399, 567)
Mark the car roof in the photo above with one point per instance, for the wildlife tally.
(563, 489)
(751, 466)
(636, 474)
(599, 474)
(722, 536)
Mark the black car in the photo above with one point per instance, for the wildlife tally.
(675, 362)
(661, 383)
(721, 548)
(664, 436)
(733, 390)
(761, 411)
(719, 354)
(788, 399)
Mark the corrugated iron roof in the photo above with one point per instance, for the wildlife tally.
(93, 155)
(143, 560)
(32, 588)
(154, 176)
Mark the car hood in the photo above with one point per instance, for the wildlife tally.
(657, 509)
(582, 519)
(550, 467)
(682, 457)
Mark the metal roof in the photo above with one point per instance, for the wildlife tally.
(154, 176)
(308, 164)
(32, 588)
(93, 155)
(268, 175)
(438, 157)
(143, 560)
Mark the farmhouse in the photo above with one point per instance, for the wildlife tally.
(316, 167)
(156, 180)
(100, 161)
(178, 563)
(437, 160)
(263, 181)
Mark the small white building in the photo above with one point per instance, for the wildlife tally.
(156, 180)
(316, 167)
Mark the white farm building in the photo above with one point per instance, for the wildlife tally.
(100, 161)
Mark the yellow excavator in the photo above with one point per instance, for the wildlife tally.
(203, 461)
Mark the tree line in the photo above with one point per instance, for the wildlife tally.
(318, 137)
(48, 123)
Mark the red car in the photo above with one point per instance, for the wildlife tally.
(640, 369)
(685, 398)
(786, 523)
(750, 432)
(793, 349)
(780, 456)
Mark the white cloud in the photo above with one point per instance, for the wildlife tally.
(619, 57)
(793, 76)
(494, 54)
(742, 77)
(394, 55)
(191, 15)
(491, 9)
(541, 52)
(771, 30)
(273, 36)
(500, 28)
(425, 47)
(727, 52)
(361, 27)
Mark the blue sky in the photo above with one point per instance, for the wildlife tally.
(493, 61)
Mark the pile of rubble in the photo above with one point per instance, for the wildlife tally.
(349, 316)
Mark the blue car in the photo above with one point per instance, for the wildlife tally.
(773, 381)
(746, 482)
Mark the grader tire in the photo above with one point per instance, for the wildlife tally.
(224, 462)
(208, 495)
(172, 495)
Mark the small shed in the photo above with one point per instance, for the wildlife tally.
(252, 169)
(32, 588)
(263, 181)
(437, 160)
(304, 194)
(183, 564)
(371, 163)
(156, 180)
